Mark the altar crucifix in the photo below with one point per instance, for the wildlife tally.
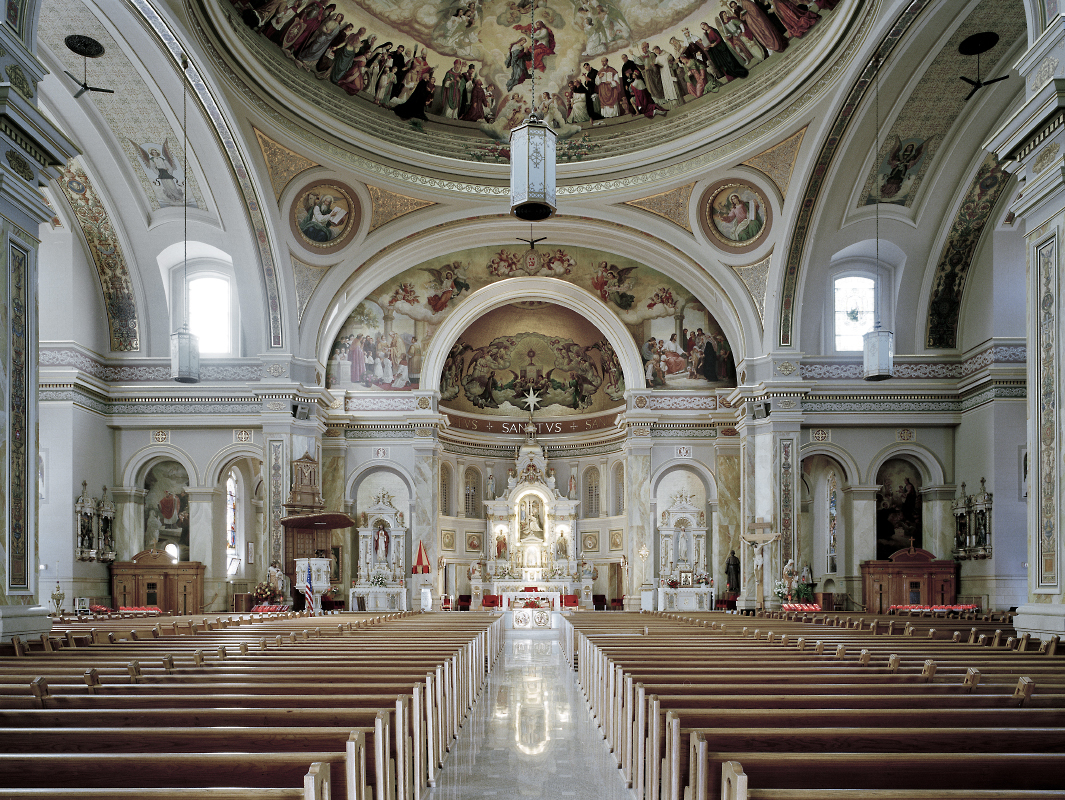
(759, 535)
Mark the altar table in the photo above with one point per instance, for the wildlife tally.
(518, 599)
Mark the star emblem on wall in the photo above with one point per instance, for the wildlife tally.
(532, 400)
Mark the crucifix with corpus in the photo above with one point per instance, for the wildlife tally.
(759, 534)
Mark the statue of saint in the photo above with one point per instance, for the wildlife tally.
(491, 486)
(501, 546)
(806, 576)
(560, 548)
(682, 549)
(789, 578)
(381, 543)
(732, 572)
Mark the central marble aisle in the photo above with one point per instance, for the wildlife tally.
(530, 735)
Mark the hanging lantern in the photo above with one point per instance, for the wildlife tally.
(532, 170)
(184, 356)
(878, 363)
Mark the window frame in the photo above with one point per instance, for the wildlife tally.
(200, 268)
(883, 297)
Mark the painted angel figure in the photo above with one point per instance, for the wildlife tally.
(901, 162)
(165, 169)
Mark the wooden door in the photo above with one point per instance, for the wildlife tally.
(151, 590)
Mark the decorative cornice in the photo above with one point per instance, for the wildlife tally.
(918, 370)
(172, 406)
(154, 371)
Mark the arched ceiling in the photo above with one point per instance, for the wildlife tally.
(788, 54)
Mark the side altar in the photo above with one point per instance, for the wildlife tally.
(683, 581)
(382, 559)
(530, 533)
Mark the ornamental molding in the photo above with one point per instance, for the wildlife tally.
(680, 402)
(406, 402)
(154, 371)
(852, 370)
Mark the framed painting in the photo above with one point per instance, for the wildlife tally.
(590, 542)
(735, 215)
(447, 540)
(336, 555)
(324, 216)
(617, 540)
(473, 542)
(686, 580)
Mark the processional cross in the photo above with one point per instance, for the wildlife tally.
(759, 534)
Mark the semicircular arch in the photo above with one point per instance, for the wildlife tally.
(221, 460)
(552, 290)
(931, 469)
(851, 473)
(140, 462)
(705, 474)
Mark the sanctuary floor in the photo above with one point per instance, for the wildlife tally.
(530, 735)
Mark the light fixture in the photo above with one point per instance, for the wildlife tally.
(184, 347)
(878, 345)
(532, 158)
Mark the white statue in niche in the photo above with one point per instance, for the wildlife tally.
(683, 549)
(560, 547)
(532, 557)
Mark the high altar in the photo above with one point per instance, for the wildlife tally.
(530, 534)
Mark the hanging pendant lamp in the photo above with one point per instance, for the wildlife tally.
(532, 159)
(184, 346)
(878, 345)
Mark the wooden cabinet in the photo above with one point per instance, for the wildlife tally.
(152, 578)
(909, 577)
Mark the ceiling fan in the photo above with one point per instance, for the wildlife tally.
(973, 46)
(86, 47)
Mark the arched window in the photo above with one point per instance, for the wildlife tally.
(619, 489)
(204, 276)
(591, 493)
(445, 489)
(472, 493)
(233, 522)
(854, 299)
(210, 314)
(831, 516)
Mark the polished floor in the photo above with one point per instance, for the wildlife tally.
(530, 735)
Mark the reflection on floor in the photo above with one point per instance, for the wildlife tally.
(530, 735)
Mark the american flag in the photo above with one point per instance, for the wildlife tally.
(308, 592)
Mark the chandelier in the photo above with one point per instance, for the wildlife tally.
(532, 159)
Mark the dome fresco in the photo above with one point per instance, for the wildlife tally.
(462, 73)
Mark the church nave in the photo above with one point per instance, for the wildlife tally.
(530, 735)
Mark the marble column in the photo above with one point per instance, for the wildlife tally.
(129, 521)
(207, 544)
(1034, 141)
(638, 510)
(857, 541)
(425, 500)
(334, 479)
(937, 517)
(726, 518)
(29, 141)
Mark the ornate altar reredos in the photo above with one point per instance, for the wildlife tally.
(382, 543)
(681, 538)
(530, 530)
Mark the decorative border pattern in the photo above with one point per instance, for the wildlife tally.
(406, 402)
(787, 532)
(929, 404)
(852, 370)
(141, 372)
(681, 402)
(277, 451)
(848, 108)
(19, 377)
(120, 303)
(948, 283)
(236, 160)
(1046, 258)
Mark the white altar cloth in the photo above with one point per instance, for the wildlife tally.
(518, 599)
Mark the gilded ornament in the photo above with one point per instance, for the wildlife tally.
(20, 165)
(424, 403)
(18, 80)
(785, 368)
(1045, 157)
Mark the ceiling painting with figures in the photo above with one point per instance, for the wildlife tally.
(475, 68)
(558, 354)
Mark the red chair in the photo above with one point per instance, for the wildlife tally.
(569, 601)
(617, 604)
(531, 589)
(445, 602)
(464, 602)
(491, 601)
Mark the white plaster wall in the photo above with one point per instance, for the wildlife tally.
(68, 280)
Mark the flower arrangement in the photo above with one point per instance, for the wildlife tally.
(378, 579)
(673, 583)
(780, 589)
(703, 579)
(265, 594)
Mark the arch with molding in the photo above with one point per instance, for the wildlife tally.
(715, 288)
(223, 459)
(503, 293)
(139, 463)
(359, 474)
(924, 459)
(705, 474)
(851, 473)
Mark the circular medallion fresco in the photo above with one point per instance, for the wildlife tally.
(324, 216)
(736, 215)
